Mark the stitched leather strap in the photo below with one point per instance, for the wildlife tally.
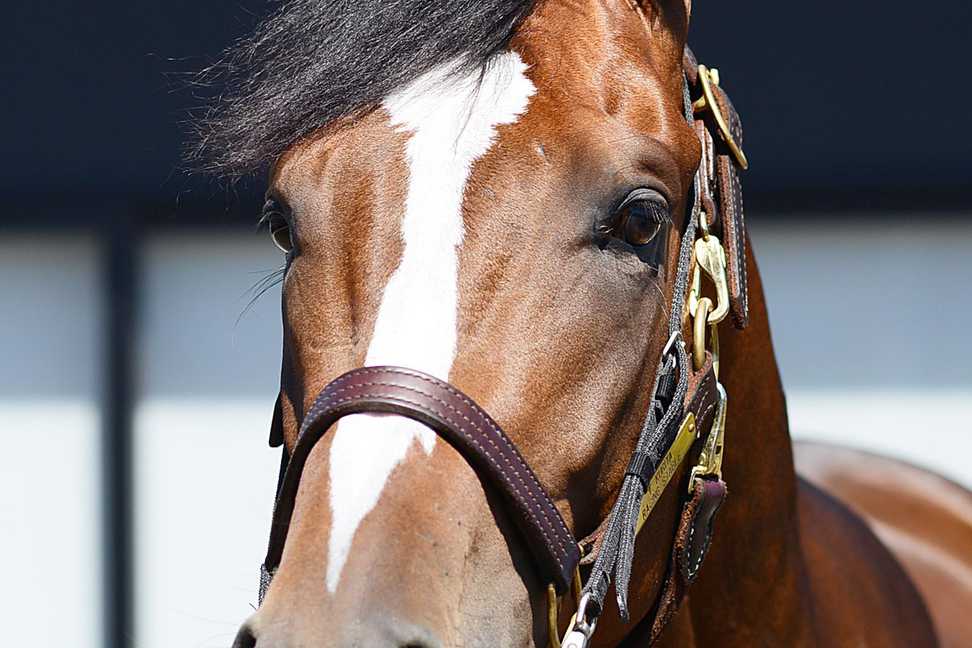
(720, 187)
(691, 545)
(466, 426)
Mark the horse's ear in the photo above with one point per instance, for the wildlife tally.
(675, 13)
(683, 6)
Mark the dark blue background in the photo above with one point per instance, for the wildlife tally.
(847, 105)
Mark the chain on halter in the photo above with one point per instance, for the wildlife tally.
(710, 258)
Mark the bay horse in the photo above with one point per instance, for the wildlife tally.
(519, 205)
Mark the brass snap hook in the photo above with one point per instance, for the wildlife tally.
(710, 256)
(710, 460)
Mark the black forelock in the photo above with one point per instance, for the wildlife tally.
(315, 61)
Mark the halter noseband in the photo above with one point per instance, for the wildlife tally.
(688, 405)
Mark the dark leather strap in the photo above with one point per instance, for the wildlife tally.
(276, 425)
(720, 189)
(466, 426)
(692, 541)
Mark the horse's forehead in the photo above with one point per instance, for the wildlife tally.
(352, 185)
(579, 56)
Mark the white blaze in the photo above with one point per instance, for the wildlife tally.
(452, 120)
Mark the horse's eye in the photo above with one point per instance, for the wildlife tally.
(280, 233)
(640, 221)
(278, 224)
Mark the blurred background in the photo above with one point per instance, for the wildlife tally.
(137, 379)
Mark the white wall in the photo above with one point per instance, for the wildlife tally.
(50, 520)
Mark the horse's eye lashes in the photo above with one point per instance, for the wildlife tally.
(658, 212)
(646, 210)
(653, 202)
(271, 207)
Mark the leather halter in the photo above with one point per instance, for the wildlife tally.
(688, 404)
(458, 420)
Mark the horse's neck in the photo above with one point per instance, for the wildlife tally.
(755, 565)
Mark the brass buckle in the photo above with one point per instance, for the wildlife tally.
(710, 459)
(707, 101)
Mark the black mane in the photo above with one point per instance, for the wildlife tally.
(315, 61)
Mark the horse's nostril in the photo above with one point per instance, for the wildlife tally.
(405, 635)
(244, 638)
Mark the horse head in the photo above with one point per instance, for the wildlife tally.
(505, 215)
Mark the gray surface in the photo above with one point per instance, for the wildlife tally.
(198, 336)
(50, 320)
(208, 375)
(887, 304)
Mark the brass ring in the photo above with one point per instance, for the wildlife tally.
(701, 320)
(553, 617)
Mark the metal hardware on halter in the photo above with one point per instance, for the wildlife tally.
(581, 630)
(672, 339)
(710, 460)
(687, 434)
(710, 256)
(707, 102)
(699, 322)
(553, 609)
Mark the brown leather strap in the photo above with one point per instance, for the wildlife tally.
(466, 426)
(720, 187)
(692, 542)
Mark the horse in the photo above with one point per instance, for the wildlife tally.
(503, 273)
